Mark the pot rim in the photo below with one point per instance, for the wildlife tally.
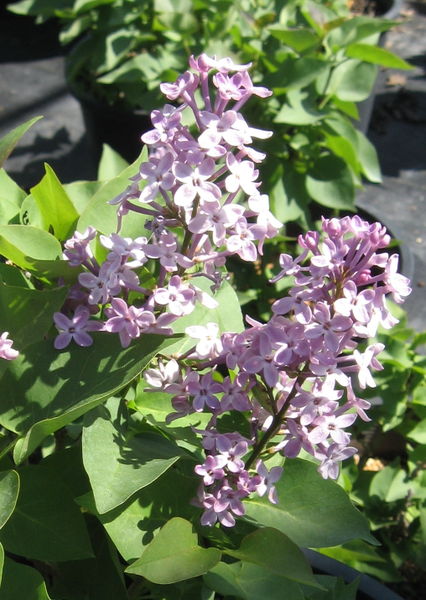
(370, 587)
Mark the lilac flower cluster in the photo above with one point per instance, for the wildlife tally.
(295, 375)
(291, 379)
(199, 193)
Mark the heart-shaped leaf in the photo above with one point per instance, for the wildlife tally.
(174, 555)
(9, 490)
(119, 466)
(271, 549)
(313, 512)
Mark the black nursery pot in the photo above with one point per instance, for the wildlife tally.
(368, 588)
(119, 128)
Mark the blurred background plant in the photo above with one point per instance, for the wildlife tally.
(320, 59)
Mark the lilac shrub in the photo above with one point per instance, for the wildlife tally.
(295, 379)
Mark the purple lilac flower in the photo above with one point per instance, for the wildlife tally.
(77, 250)
(75, 328)
(268, 478)
(203, 392)
(177, 296)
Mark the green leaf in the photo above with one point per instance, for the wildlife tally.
(58, 212)
(330, 183)
(44, 390)
(98, 577)
(223, 578)
(132, 525)
(20, 581)
(30, 214)
(103, 216)
(312, 511)
(147, 67)
(81, 193)
(116, 48)
(66, 464)
(179, 6)
(368, 159)
(25, 245)
(353, 551)
(297, 39)
(1, 563)
(111, 164)
(357, 28)
(9, 141)
(45, 8)
(251, 582)
(287, 192)
(9, 490)
(352, 80)
(81, 6)
(294, 73)
(344, 149)
(348, 108)
(73, 29)
(11, 198)
(174, 555)
(300, 109)
(35, 250)
(419, 394)
(335, 589)
(391, 484)
(271, 549)
(353, 147)
(118, 466)
(10, 275)
(227, 314)
(377, 56)
(46, 524)
(28, 314)
(156, 406)
(418, 433)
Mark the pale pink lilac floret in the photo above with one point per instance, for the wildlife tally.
(294, 378)
(6, 350)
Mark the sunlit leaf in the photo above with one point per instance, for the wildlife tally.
(271, 549)
(174, 555)
(119, 466)
(312, 512)
(9, 490)
(9, 141)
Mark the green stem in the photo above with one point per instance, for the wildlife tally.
(272, 430)
(7, 448)
(326, 97)
(188, 236)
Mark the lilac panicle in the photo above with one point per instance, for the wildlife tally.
(295, 377)
(201, 180)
